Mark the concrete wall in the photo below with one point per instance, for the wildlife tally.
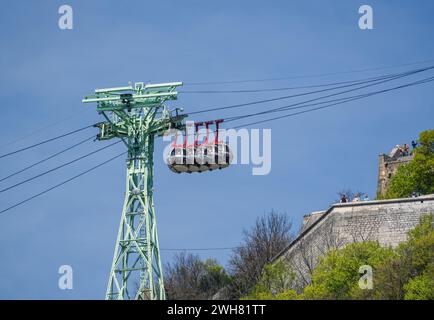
(386, 221)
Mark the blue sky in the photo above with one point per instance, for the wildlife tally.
(46, 71)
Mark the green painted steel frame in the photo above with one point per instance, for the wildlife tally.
(136, 271)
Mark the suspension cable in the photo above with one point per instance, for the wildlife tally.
(59, 167)
(45, 141)
(62, 183)
(47, 158)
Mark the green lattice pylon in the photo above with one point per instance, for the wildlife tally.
(136, 115)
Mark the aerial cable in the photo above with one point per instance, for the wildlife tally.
(58, 167)
(47, 158)
(336, 102)
(62, 183)
(371, 82)
(296, 106)
(286, 88)
(45, 141)
(344, 99)
(305, 104)
(431, 79)
(320, 98)
(309, 76)
(276, 99)
(32, 133)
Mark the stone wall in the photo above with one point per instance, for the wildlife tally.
(385, 221)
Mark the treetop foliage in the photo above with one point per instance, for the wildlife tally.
(416, 176)
(405, 272)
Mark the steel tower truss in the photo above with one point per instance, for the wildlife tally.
(137, 115)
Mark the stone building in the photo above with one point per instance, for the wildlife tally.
(387, 166)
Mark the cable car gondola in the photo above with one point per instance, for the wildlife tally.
(200, 157)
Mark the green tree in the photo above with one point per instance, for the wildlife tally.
(408, 274)
(416, 176)
(214, 277)
(275, 284)
(421, 287)
(405, 272)
(337, 274)
(190, 278)
(261, 243)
